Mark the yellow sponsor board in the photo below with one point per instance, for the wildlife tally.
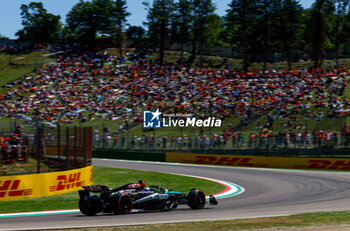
(52, 151)
(259, 161)
(44, 184)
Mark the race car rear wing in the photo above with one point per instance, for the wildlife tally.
(130, 186)
(96, 188)
(100, 188)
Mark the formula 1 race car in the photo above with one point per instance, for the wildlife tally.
(136, 196)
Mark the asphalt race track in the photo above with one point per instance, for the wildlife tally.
(268, 192)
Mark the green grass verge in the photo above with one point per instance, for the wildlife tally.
(14, 73)
(21, 167)
(14, 66)
(309, 221)
(111, 177)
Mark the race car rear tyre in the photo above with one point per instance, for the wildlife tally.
(123, 204)
(196, 199)
(90, 206)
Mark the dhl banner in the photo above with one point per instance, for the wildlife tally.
(44, 184)
(259, 161)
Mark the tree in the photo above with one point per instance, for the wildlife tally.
(180, 25)
(2, 37)
(214, 30)
(287, 21)
(99, 17)
(240, 21)
(319, 29)
(263, 33)
(202, 23)
(346, 30)
(38, 25)
(135, 32)
(86, 19)
(340, 11)
(118, 17)
(81, 24)
(158, 22)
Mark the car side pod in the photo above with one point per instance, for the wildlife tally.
(212, 200)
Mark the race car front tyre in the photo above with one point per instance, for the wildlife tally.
(123, 204)
(196, 199)
(90, 206)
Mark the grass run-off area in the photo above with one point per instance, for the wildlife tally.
(322, 221)
(23, 167)
(14, 66)
(112, 177)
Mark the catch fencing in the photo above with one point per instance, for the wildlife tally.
(41, 148)
(310, 137)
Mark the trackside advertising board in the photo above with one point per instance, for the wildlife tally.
(258, 161)
(44, 184)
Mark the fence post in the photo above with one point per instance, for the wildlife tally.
(127, 134)
(75, 148)
(154, 139)
(38, 141)
(84, 146)
(103, 133)
(11, 125)
(67, 147)
(59, 140)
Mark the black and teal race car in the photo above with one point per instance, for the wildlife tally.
(99, 198)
